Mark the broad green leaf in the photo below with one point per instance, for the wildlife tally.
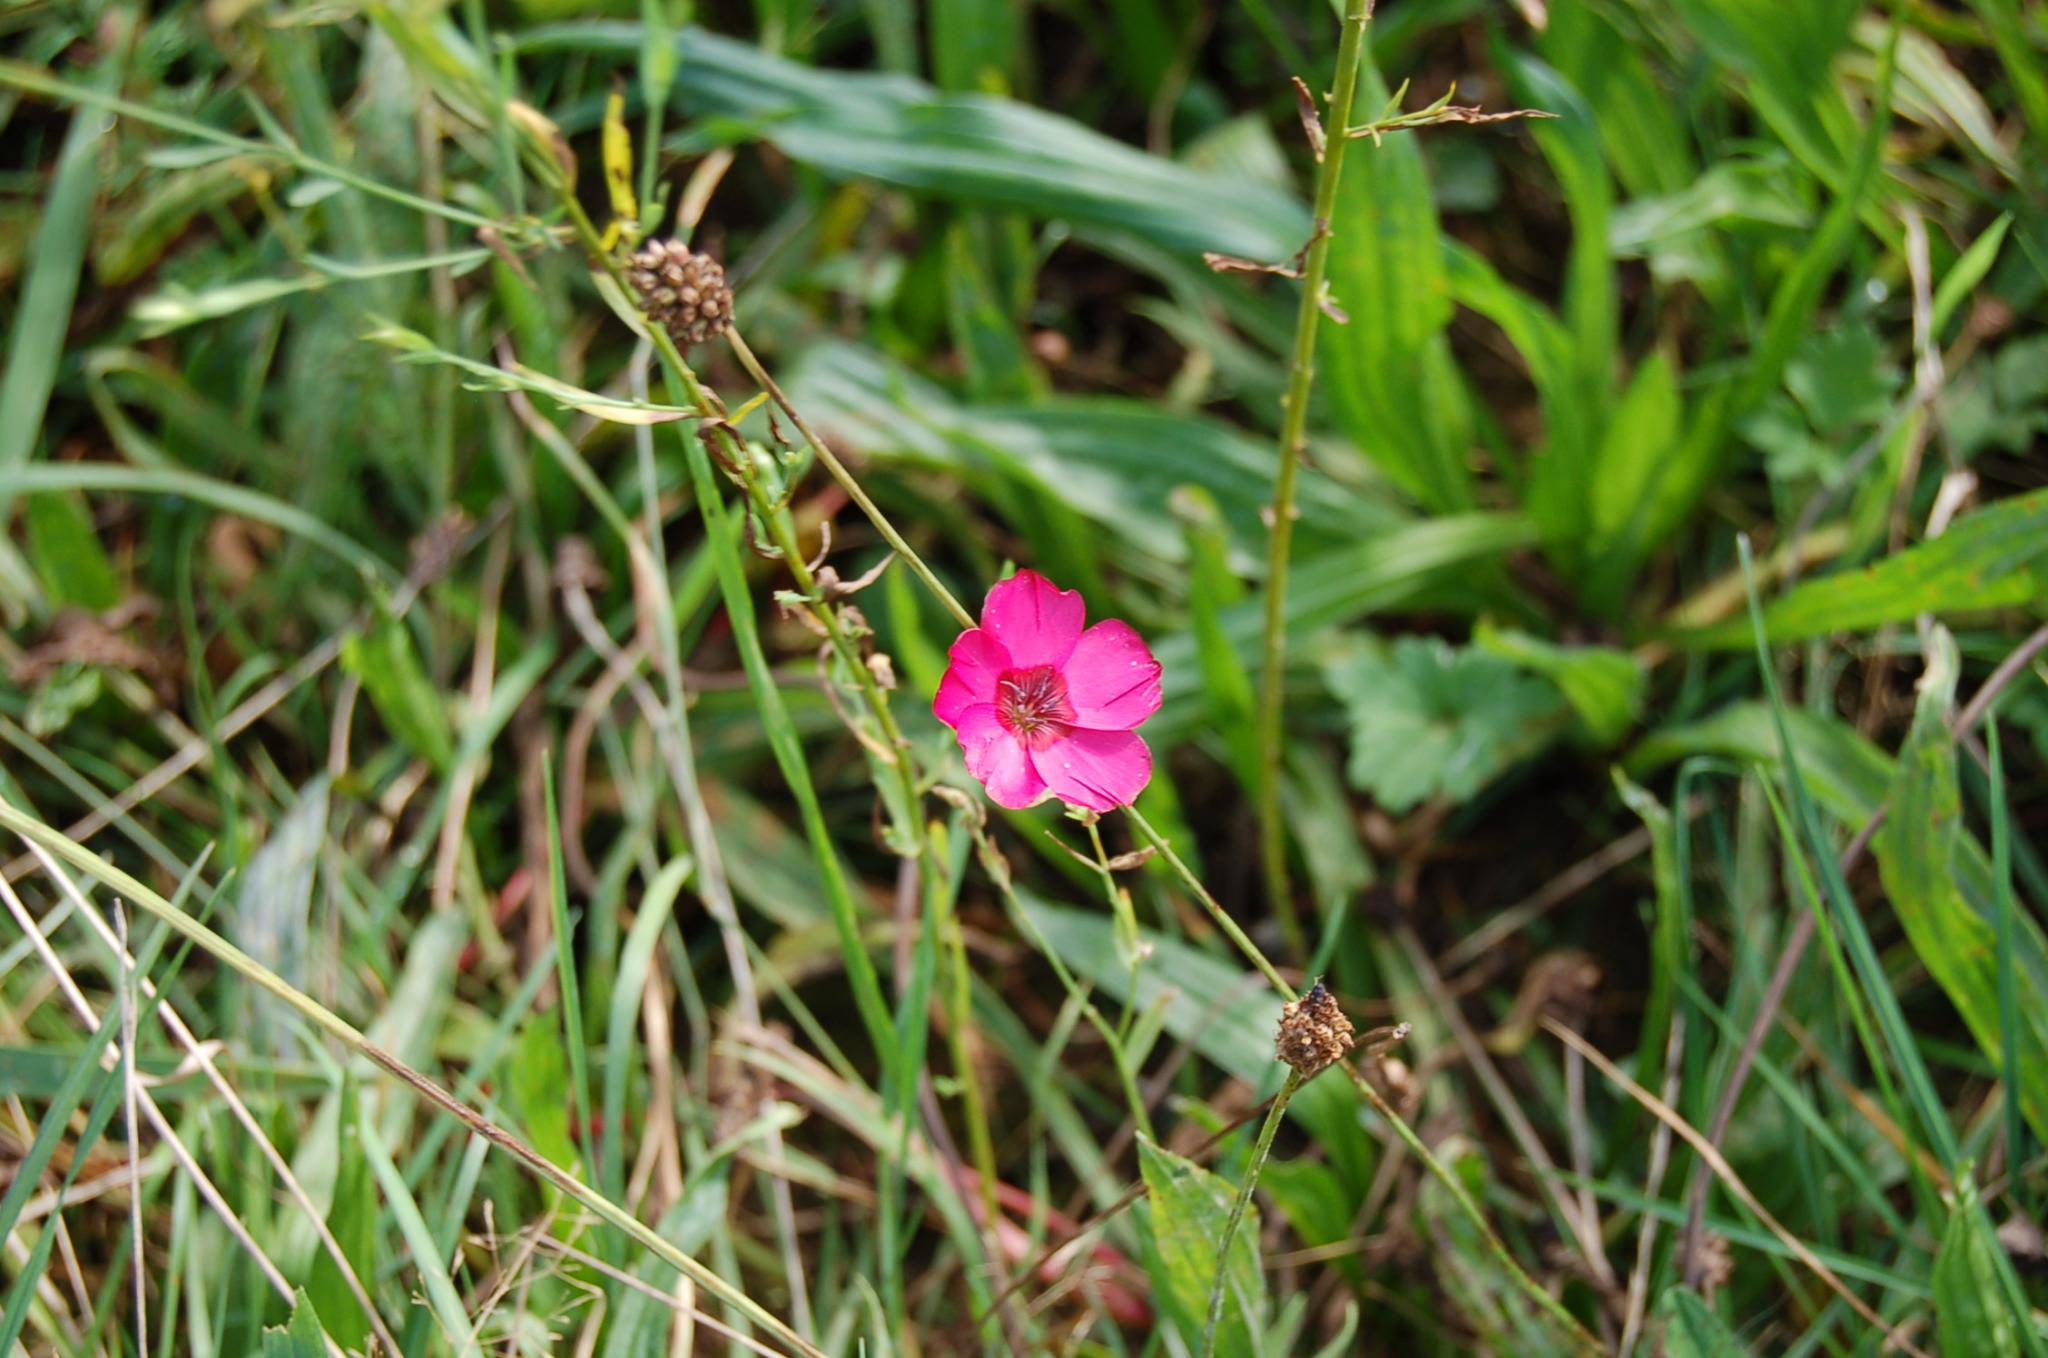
(1190, 1207)
(1386, 571)
(1785, 51)
(538, 1087)
(1429, 721)
(1643, 431)
(1986, 560)
(1970, 1316)
(1387, 374)
(302, 1337)
(1840, 377)
(352, 1221)
(1603, 685)
(1562, 488)
(382, 657)
(1917, 855)
(968, 148)
(1692, 1330)
(987, 338)
(65, 550)
(974, 43)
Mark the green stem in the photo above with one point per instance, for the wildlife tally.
(1293, 423)
(1126, 926)
(847, 482)
(1224, 922)
(1260, 1150)
(1528, 1286)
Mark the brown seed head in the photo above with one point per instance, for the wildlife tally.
(1313, 1031)
(683, 292)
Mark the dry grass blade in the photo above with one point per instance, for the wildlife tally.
(345, 1033)
(1692, 1136)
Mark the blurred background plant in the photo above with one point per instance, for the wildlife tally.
(329, 466)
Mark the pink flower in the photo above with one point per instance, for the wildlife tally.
(1042, 708)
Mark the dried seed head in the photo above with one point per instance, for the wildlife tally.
(1313, 1031)
(684, 292)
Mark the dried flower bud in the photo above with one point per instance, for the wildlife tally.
(1313, 1031)
(684, 292)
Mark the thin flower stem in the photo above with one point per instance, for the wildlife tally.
(846, 480)
(1126, 926)
(1528, 1286)
(1224, 922)
(1293, 424)
(1260, 1150)
(999, 873)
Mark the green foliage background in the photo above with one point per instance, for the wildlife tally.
(1673, 484)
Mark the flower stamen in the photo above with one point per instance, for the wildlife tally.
(1032, 705)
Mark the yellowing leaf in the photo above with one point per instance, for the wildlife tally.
(618, 160)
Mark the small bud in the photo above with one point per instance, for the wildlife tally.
(684, 292)
(1313, 1031)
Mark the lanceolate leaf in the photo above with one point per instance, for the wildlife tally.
(1990, 559)
(1189, 1209)
(1917, 852)
(384, 659)
(970, 148)
(1387, 373)
(1970, 1319)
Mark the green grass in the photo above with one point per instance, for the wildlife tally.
(588, 941)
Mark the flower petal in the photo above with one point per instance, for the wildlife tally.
(977, 658)
(994, 756)
(1036, 622)
(1112, 679)
(1100, 770)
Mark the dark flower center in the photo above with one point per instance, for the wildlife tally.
(1032, 705)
